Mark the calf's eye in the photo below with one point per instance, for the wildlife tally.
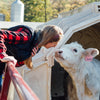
(75, 50)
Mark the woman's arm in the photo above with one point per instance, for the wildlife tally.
(12, 37)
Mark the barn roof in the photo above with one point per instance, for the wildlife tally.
(74, 17)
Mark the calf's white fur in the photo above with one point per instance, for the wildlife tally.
(82, 68)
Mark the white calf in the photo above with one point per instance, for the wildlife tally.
(83, 69)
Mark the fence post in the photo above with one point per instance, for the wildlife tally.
(5, 88)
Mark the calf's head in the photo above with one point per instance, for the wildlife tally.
(72, 54)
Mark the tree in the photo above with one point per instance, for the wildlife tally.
(5, 7)
(35, 10)
(58, 6)
(73, 4)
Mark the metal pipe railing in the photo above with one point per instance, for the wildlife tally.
(23, 90)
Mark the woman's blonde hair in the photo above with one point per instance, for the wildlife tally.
(50, 34)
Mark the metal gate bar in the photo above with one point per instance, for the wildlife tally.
(23, 90)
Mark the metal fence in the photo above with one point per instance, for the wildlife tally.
(23, 90)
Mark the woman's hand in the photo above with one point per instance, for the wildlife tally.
(9, 58)
(34, 51)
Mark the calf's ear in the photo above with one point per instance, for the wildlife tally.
(90, 53)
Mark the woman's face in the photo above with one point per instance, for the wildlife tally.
(52, 44)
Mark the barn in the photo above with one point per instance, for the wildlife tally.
(81, 25)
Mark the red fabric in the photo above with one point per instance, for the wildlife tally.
(12, 37)
(20, 64)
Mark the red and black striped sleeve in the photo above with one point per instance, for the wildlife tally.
(20, 63)
(12, 37)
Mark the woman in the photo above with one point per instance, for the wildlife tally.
(19, 43)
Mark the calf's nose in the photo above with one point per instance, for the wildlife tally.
(60, 52)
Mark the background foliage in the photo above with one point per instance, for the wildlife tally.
(42, 10)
